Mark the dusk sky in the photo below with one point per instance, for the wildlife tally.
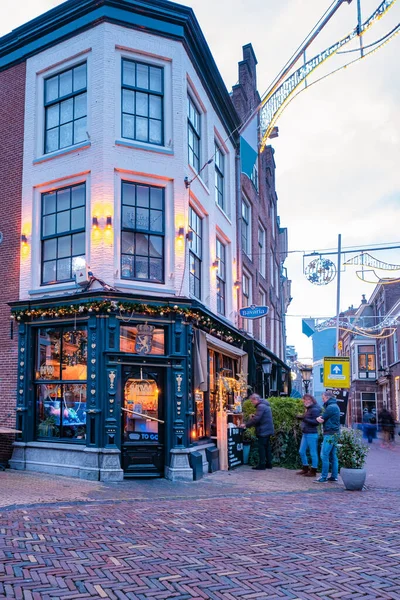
(337, 154)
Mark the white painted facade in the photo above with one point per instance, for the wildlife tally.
(106, 159)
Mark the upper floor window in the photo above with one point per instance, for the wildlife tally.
(395, 347)
(193, 135)
(262, 322)
(142, 102)
(195, 253)
(63, 233)
(254, 176)
(65, 101)
(246, 298)
(219, 177)
(246, 227)
(261, 250)
(142, 232)
(221, 278)
(366, 362)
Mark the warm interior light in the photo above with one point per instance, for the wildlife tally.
(181, 233)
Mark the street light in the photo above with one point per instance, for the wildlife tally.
(306, 373)
(266, 366)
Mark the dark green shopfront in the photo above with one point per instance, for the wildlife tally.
(110, 387)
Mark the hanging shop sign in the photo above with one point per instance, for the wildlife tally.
(253, 312)
(337, 372)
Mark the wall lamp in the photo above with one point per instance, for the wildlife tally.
(24, 239)
(95, 222)
(109, 222)
(215, 265)
(181, 233)
(236, 285)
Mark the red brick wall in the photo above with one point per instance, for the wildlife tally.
(12, 99)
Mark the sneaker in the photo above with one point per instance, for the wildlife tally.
(321, 480)
(332, 479)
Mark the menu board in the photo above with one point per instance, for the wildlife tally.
(235, 447)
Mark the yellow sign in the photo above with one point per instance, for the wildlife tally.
(337, 372)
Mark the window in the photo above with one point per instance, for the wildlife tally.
(195, 253)
(193, 135)
(254, 176)
(246, 227)
(219, 177)
(395, 347)
(221, 278)
(65, 101)
(366, 362)
(142, 241)
(142, 339)
(261, 250)
(60, 383)
(142, 102)
(262, 322)
(63, 233)
(397, 398)
(245, 290)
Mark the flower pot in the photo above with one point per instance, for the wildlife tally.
(246, 453)
(353, 479)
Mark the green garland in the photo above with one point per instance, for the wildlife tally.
(116, 307)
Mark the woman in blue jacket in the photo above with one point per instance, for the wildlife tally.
(309, 426)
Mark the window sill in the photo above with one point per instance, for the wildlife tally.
(62, 152)
(56, 287)
(143, 287)
(198, 178)
(144, 146)
(223, 212)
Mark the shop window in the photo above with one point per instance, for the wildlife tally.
(142, 339)
(368, 405)
(61, 382)
(366, 362)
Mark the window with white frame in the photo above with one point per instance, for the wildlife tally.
(254, 176)
(262, 322)
(221, 277)
(271, 266)
(246, 227)
(273, 219)
(219, 177)
(63, 233)
(395, 346)
(65, 102)
(246, 299)
(261, 250)
(142, 102)
(195, 252)
(366, 362)
(194, 135)
(142, 232)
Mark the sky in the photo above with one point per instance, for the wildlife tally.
(338, 150)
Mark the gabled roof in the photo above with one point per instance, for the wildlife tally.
(158, 17)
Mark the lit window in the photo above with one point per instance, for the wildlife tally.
(65, 101)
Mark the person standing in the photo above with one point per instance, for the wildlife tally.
(309, 439)
(262, 421)
(331, 426)
(369, 425)
(387, 422)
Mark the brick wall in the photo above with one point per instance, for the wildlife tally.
(12, 99)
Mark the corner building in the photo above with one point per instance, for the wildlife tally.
(117, 371)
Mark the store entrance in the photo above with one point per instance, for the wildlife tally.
(142, 417)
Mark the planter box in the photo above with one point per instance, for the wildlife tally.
(353, 479)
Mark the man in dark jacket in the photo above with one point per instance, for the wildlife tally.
(331, 426)
(262, 421)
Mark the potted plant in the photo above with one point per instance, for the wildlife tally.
(352, 454)
(249, 438)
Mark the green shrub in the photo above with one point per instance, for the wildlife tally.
(286, 440)
(351, 450)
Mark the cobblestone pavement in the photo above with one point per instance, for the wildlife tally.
(302, 545)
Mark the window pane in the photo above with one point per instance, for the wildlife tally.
(128, 72)
(63, 269)
(65, 83)
(64, 246)
(63, 199)
(142, 104)
(80, 77)
(48, 410)
(128, 242)
(128, 194)
(49, 249)
(141, 129)
(80, 134)
(156, 221)
(142, 244)
(155, 134)
(74, 355)
(67, 111)
(48, 354)
(142, 218)
(155, 246)
(128, 101)
(52, 116)
(78, 195)
(127, 263)
(63, 222)
(49, 203)
(78, 244)
(142, 268)
(66, 135)
(78, 218)
(156, 198)
(51, 86)
(155, 107)
(49, 225)
(74, 413)
(142, 76)
(156, 79)
(156, 269)
(49, 272)
(128, 217)
(51, 140)
(128, 127)
(142, 195)
(80, 106)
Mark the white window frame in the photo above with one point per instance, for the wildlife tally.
(220, 170)
(261, 250)
(197, 132)
(247, 323)
(262, 322)
(246, 224)
(395, 347)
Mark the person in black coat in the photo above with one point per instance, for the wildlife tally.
(262, 421)
(309, 427)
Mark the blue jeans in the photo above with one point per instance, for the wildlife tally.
(328, 453)
(310, 441)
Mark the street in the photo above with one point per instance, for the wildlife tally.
(239, 534)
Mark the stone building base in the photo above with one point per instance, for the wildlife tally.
(95, 464)
(180, 469)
